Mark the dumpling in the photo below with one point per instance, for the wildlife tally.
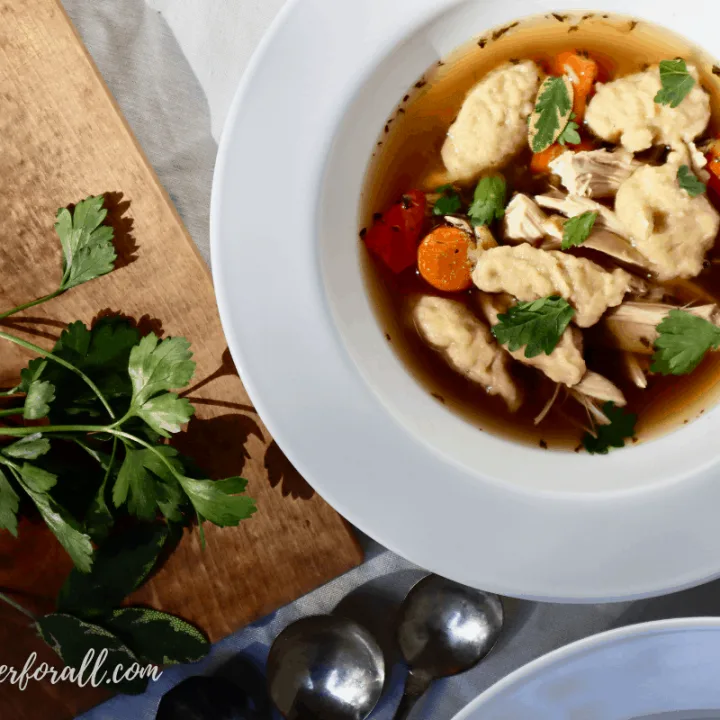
(492, 125)
(624, 111)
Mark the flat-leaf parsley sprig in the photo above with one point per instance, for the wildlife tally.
(112, 395)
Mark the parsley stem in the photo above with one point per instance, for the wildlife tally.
(23, 431)
(49, 356)
(4, 598)
(12, 411)
(33, 303)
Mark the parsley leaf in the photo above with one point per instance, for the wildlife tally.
(39, 396)
(449, 202)
(552, 112)
(166, 413)
(537, 326)
(570, 135)
(64, 527)
(88, 251)
(490, 200)
(622, 426)
(676, 82)
(690, 182)
(157, 367)
(682, 343)
(122, 565)
(135, 486)
(9, 505)
(578, 229)
(219, 501)
(29, 448)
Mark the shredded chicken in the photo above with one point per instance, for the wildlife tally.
(530, 274)
(633, 325)
(671, 229)
(574, 205)
(600, 388)
(467, 345)
(594, 173)
(526, 222)
(624, 111)
(564, 365)
(492, 125)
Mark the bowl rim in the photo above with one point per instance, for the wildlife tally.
(583, 647)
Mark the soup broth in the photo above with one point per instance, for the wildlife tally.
(408, 156)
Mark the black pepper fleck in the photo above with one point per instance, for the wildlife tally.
(439, 398)
(645, 342)
(502, 31)
(363, 232)
(388, 338)
(482, 42)
(716, 70)
(579, 449)
(702, 412)
(588, 16)
(560, 18)
(686, 422)
(634, 24)
(401, 111)
(396, 228)
(543, 445)
(406, 98)
(377, 216)
(421, 84)
(573, 28)
(636, 440)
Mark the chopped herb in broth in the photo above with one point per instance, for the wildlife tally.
(542, 254)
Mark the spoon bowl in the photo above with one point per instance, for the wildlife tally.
(444, 629)
(325, 668)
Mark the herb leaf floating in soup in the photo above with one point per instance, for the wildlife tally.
(490, 200)
(449, 201)
(621, 428)
(690, 182)
(536, 326)
(568, 264)
(684, 340)
(577, 230)
(676, 81)
(552, 112)
(570, 135)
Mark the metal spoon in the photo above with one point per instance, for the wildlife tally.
(444, 629)
(325, 668)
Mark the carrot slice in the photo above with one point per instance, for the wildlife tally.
(443, 259)
(540, 163)
(583, 73)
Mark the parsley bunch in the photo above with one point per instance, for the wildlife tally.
(109, 395)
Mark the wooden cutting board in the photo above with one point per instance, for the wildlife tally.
(63, 138)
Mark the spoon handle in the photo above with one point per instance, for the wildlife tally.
(406, 706)
(416, 685)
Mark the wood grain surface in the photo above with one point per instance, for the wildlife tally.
(63, 139)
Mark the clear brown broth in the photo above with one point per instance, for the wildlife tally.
(408, 156)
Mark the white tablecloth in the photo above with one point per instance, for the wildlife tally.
(173, 66)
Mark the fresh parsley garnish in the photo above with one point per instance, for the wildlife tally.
(489, 201)
(570, 135)
(449, 202)
(690, 182)
(677, 82)
(537, 326)
(621, 427)
(88, 250)
(578, 229)
(552, 112)
(683, 341)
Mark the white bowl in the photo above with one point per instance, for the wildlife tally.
(664, 670)
(467, 505)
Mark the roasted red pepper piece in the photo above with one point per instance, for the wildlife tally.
(395, 236)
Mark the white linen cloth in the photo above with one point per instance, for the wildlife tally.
(173, 66)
